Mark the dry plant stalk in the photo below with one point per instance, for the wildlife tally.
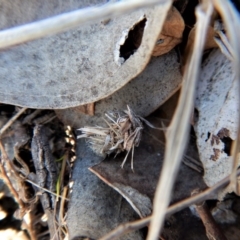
(11, 121)
(178, 131)
(213, 231)
(6, 179)
(122, 134)
(209, 193)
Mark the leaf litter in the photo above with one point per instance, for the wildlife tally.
(122, 133)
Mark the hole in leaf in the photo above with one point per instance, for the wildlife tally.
(224, 135)
(208, 136)
(227, 145)
(211, 204)
(196, 115)
(133, 40)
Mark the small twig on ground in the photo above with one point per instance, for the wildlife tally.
(60, 188)
(210, 193)
(23, 206)
(42, 234)
(213, 231)
(44, 119)
(62, 223)
(177, 132)
(126, 228)
(29, 225)
(61, 175)
(61, 210)
(5, 177)
(44, 189)
(11, 121)
(30, 117)
(192, 163)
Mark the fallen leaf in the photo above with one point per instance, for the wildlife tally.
(138, 187)
(171, 33)
(76, 67)
(144, 94)
(87, 109)
(209, 43)
(94, 208)
(217, 105)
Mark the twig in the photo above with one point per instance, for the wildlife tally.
(44, 189)
(8, 182)
(30, 117)
(61, 175)
(59, 186)
(30, 227)
(126, 228)
(11, 121)
(6, 178)
(178, 130)
(40, 235)
(69, 20)
(44, 119)
(210, 193)
(213, 231)
(192, 166)
(61, 210)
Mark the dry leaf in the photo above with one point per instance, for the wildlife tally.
(138, 187)
(217, 105)
(171, 33)
(210, 43)
(87, 109)
(94, 208)
(160, 79)
(76, 67)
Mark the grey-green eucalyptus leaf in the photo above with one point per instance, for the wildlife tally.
(78, 66)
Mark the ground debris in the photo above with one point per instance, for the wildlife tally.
(122, 134)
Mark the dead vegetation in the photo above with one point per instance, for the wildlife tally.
(174, 115)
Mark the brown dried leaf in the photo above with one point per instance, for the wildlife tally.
(171, 33)
(209, 43)
(87, 109)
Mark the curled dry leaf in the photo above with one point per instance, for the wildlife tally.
(214, 38)
(87, 109)
(171, 33)
(67, 69)
(210, 43)
(217, 105)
